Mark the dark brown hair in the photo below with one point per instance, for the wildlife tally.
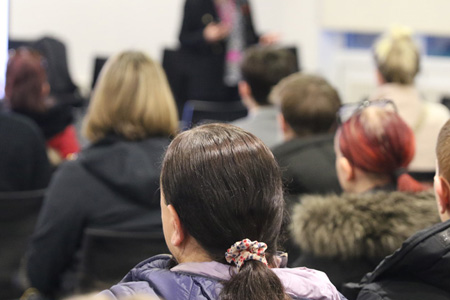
(263, 67)
(25, 78)
(308, 103)
(225, 185)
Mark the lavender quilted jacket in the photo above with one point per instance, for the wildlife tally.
(202, 281)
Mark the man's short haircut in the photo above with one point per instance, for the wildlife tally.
(443, 151)
(308, 103)
(263, 67)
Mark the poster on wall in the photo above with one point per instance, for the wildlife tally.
(4, 25)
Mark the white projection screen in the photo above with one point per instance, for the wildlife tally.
(4, 25)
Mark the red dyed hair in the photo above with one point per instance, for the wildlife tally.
(25, 78)
(378, 141)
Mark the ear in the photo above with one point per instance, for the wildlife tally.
(288, 132)
(178, 235)
(347, 169)
(45, 89)
(442, 190)
(244, 88)
(282, 123)
(380, 78)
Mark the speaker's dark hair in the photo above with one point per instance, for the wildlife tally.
(226, 186)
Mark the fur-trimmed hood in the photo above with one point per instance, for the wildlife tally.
(365, 225)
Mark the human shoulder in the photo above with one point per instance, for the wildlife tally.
(155, 277)
(302, 146)
(307, 283)
(320, 223)
(437, 112)
(18, 125)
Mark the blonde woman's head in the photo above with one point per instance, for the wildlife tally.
(397, 56)
(132, 99)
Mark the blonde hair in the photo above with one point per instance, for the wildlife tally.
(132, 99)
(397, 56)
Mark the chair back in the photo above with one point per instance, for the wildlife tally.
(18, 215)
(107, 256)
(200, 112)
(99, 63)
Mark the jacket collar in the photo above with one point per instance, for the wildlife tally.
(370, 225)
(424, 255)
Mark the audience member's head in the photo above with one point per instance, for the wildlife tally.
(132, 98)
(262, 68)
(373, 148)
(308, 105)
(220, 185)
(26, 81)
(442, 178)
(397, 57)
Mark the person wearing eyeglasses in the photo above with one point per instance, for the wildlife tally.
(347, 235)
(397, 59)
(419, 269)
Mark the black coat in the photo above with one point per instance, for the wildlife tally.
(346, 236)
(113, 185)
(23, 158)
(418, 270)
(308, 165)
(205, 61)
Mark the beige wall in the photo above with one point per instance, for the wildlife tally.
(425, 16)
(102, 27)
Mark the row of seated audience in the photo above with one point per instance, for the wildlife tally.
(27, 92)
(222, 185)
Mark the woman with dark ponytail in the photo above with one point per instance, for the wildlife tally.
(347, 235)
(222, 209)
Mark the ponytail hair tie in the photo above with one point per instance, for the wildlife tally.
(245, 250)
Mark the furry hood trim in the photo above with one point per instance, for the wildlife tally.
(365, 225)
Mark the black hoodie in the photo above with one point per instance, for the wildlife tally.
(113, 185)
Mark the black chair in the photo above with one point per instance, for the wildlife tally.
(176, 66)
(107, 256)
(18, 215)
(200, 112)
(62, 86)
(423, 177)
(14, 44)
(98, 66)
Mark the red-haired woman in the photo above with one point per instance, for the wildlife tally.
(348, 235)
(27, 93)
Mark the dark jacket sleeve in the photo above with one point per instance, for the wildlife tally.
(199, 13)
(251, 37)
(196, 15)
(58, 231)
